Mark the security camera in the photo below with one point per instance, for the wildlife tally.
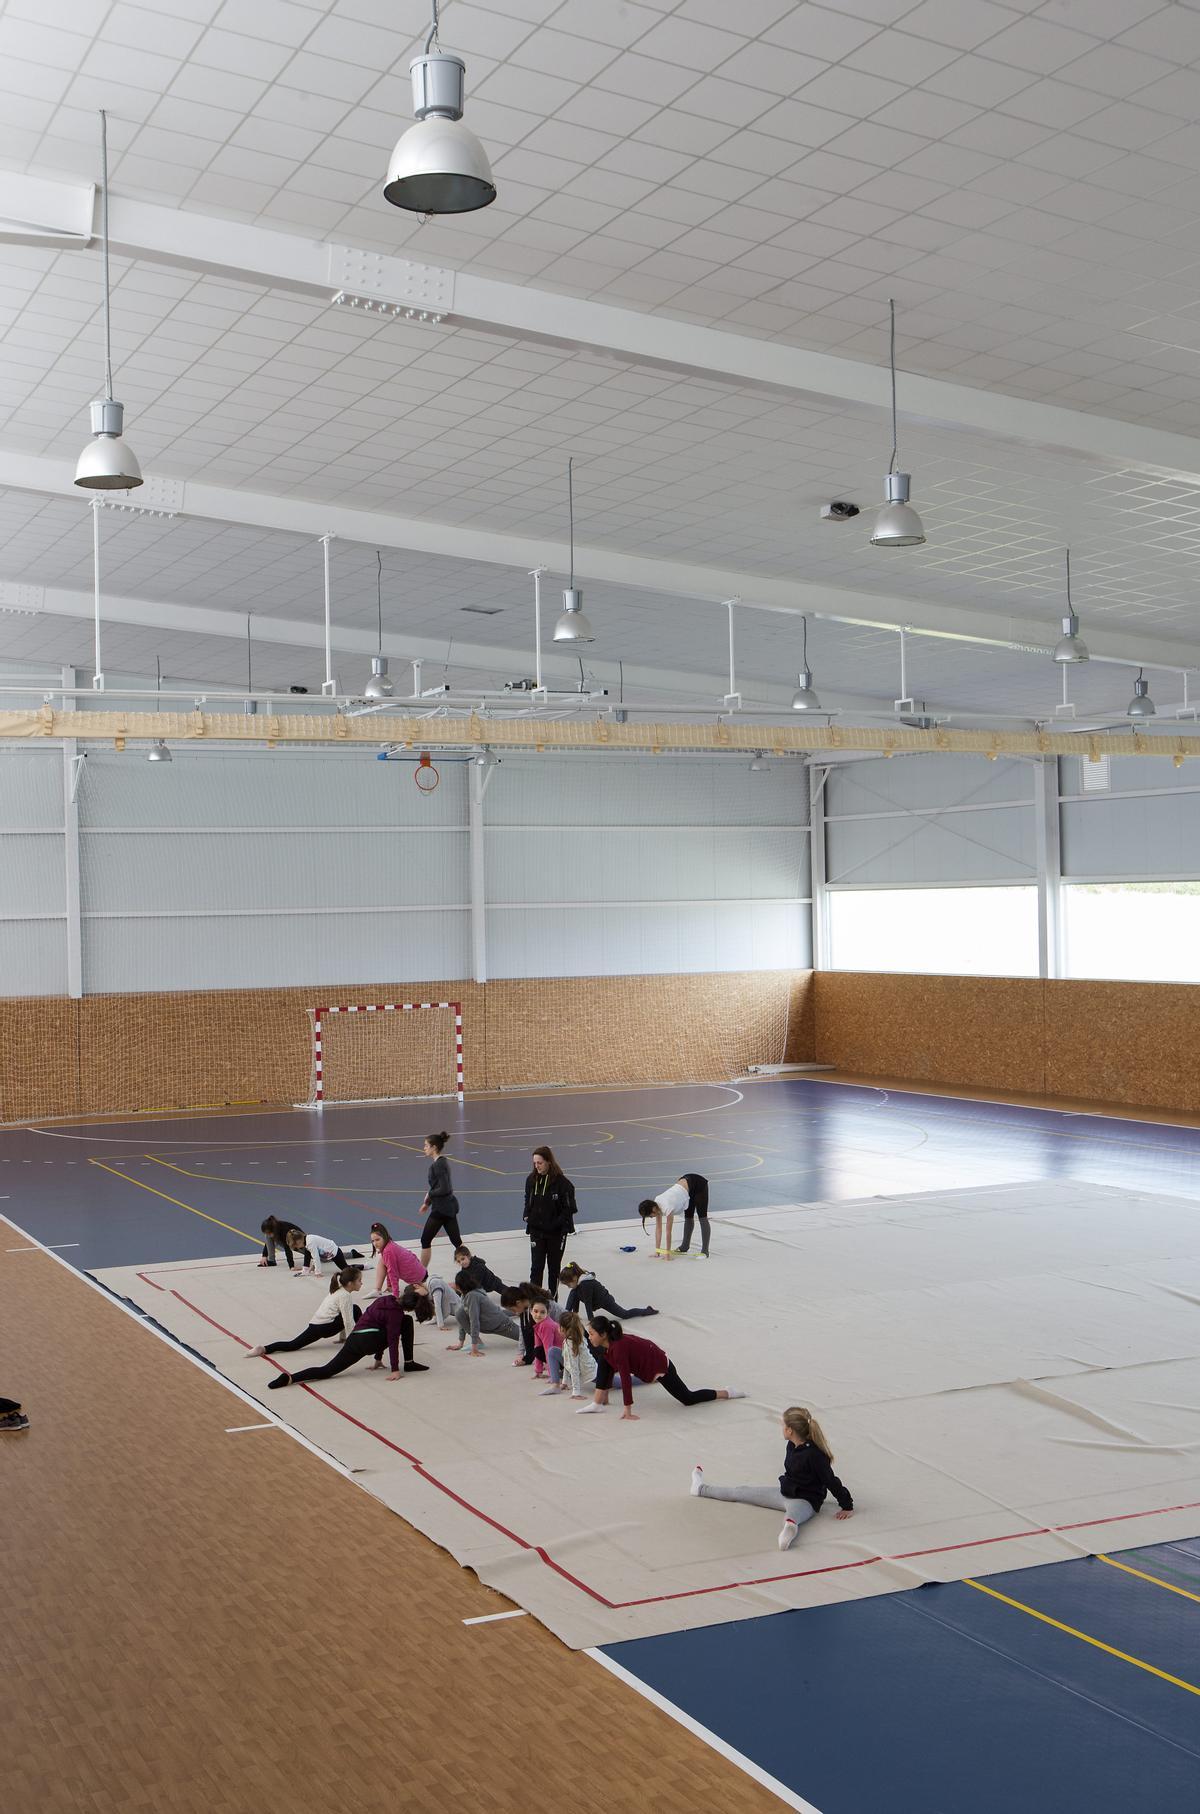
(838, 512)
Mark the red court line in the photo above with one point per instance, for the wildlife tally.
(686, 1593)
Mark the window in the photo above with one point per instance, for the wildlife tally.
(1139, 931)
(936, 931)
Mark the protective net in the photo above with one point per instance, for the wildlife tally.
(368, 1052)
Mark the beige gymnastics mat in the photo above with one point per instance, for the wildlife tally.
(1009, 1376)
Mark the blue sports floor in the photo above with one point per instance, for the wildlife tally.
(1071, 1689)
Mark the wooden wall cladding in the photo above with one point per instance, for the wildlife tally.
(110, 1054)
(1132, 1043)
(985, 1032)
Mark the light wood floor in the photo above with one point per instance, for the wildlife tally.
(174, 1638)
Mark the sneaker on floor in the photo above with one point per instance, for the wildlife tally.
(13, 1423)
(415, 1366)
(697, 1481)
(789, 1533)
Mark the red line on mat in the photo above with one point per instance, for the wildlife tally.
(684, 1593)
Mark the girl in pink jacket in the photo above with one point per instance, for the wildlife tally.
(394, 1263)
(547, 1337)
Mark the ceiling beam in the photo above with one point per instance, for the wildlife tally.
(149, 230)
(681, 580)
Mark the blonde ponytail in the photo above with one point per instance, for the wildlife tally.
(805, 1428)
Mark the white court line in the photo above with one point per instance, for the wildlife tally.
(493, 1618)
(239, 1429)
(738, 1758)
(41, 1247)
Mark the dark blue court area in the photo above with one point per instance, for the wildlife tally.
(1076, 1691)
(197, 1186)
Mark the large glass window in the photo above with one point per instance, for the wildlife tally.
(1139, 931)
(935, 931)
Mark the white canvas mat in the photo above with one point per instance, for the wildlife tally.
(1008, 1376)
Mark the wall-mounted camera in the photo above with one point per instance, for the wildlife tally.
(838, 512)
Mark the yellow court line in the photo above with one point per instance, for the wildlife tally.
(240, 1232)
(1122, 1655)
(686, 1133)
(1153, 1579)
(379, 1140)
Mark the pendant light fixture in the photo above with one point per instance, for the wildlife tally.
(107, 463)
(439, 166)
(1141, 705)
(897, 524)
(804, 699)
(1070, 645)
(380, 685)
(158, 751)
(572, 626)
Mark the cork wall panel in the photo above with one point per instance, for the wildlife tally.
(109, 1054)
(39, 1057)
(981, 1031)
(1132, 1043)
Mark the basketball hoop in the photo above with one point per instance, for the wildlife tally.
(425, 775)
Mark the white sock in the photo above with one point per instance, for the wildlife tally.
(789, 1533)
(587, 1410)
(697, 1481)
(734, 1393)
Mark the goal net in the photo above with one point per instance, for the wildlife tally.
(378, 1051)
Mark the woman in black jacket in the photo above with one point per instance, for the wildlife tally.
(549, 1216)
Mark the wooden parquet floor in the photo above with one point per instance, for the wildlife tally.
(200, 1623)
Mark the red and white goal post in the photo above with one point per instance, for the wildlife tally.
(318, 1016)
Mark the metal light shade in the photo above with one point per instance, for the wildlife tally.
(897, 524)
(107, 463)
(380, 685)
(439, 166)
(158, 752)
(1141, 705)
(1070, 645)
(804, 699)
(573, 626)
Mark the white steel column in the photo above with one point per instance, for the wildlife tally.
(816, 843)
(1049, 867)
(72, 766)
(477, 780)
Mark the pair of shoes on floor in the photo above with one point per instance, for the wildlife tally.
(13, 1422)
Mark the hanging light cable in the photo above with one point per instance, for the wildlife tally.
(158, 751)
(897, 524)
(804, 699)
(438, 165)
(380, 685)
(1070, 645)
(572, 626)
(107, 463)
(1141, 705)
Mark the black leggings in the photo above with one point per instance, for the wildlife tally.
(546, 1251)
(675, 1386)
(356, 1347)
(625, 1316)
(439, 1220)
(316, 1332)
(697, 1205)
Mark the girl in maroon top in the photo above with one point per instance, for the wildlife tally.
(632, 1357)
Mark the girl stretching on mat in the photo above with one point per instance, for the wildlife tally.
(277, 1233)
(394, 1263)
(547, 1341)
(310, 1250)
(633, 1357)
(587, 1294)
(806, 1479)
(689, 1194)
(440, 1199)
(335, 1315)
(387, 1323)
(549, 1216)
(573, 1365)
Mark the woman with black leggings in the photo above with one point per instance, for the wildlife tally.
(387, 1324)
(440, 1199)
(632, 1357)
(549, 1216)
